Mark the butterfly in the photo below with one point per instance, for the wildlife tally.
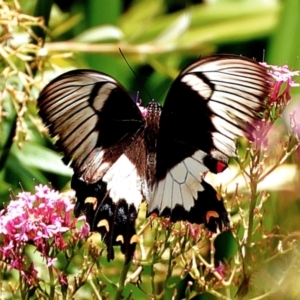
(123, 155)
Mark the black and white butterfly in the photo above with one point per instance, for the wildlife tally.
(121, 156)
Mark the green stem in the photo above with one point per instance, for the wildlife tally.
(9, 142)
(218, 295)
(253, 188)
(92, 284)
(168, 275)
(264, 296)
(22, 290)
(42, 9)
(121, 282)
(282, 159)
(152, 276)
(52, 284)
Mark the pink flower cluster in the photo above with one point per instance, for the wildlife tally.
(281, 75)
(279, 97)
(40, 219)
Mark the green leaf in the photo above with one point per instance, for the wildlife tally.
(173, 32)
(100, 34)
(20, 176)
(284, 45)
(140, 17)
(65, 23)
(241, 29)
(36, 156)
(211, 21)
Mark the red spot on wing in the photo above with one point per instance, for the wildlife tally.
(221, 166)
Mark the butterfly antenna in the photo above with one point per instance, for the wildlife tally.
(136, 76)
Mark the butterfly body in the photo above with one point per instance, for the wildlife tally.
(122, 156)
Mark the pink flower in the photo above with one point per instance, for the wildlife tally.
(62, 278)
(282, 80)
(50, 261)
(194, 230)
(85, 228)
(41, 219)
(143, 109)
(278, 98)
(219, 270)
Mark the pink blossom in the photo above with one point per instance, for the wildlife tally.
(279, 97)
(219, 270)
(50, 261)
(194, 230)
(41, 219)
(62, 278)
(85, 228)
(282, 82)
(143, 109)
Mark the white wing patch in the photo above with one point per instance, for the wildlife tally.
(198, 85)
(123, 182)
(103, 95)
(95, 166)
(181, 184)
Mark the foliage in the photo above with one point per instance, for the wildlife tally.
(259, 257)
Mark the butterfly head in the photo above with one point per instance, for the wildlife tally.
(153, 113)
(154, 108)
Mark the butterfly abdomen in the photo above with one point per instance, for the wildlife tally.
(150, 139)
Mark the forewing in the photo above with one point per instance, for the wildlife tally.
(209, 105)
(93, 119)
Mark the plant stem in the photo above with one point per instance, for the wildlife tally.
(21, 282)
(52, 284)
(42, 9)
(110, 48)
(253, 188)
(92, 284)
(121, 282)
(9, 141)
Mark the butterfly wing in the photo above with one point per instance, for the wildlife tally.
(209, 105)
(98, 127)
(89, 113)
